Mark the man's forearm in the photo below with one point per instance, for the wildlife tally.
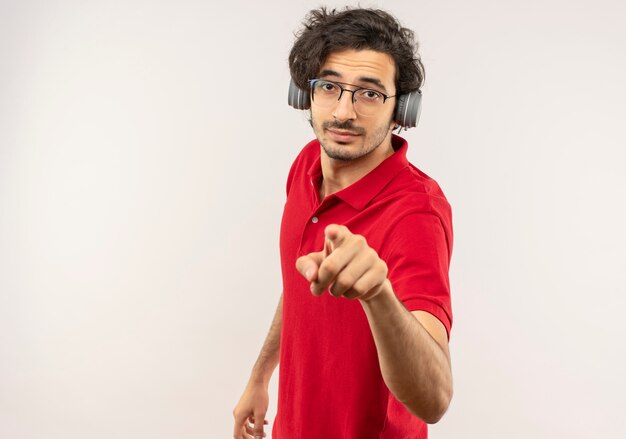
(414, 366)
(270, 352)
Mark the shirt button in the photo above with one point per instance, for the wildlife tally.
(314, 220)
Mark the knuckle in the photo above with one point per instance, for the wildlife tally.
(384, 269)
(363, 288)
(329, 267)
(371, 256)
(344, 282)
(356, 291)
(360, 240)
(356, 287)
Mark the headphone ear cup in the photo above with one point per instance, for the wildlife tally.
(298, 98)
(408, 109)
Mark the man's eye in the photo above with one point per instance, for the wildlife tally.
(327, 86)
(371, 95)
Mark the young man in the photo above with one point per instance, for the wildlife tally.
(361, 330)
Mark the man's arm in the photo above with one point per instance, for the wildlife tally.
(412, 348)
(413, 354)
(270, 352)
(252, 406)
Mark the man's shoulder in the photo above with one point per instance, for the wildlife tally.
(412, 182)
(412, 191)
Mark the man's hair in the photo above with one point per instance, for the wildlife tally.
(331, 31)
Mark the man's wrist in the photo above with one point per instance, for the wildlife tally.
(260, 377)
(259, 381)
(382, 295)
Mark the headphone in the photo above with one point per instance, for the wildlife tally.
(406, 113)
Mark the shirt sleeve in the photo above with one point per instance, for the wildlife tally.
(418, 259)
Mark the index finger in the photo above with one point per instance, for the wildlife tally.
(336, 234)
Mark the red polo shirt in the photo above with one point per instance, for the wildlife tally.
(330, 384)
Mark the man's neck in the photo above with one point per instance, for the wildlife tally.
(339, 174)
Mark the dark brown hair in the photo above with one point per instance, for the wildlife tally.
(327, 31)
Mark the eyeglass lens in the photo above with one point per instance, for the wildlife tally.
(366, 102)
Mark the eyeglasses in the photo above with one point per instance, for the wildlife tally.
(367, 102)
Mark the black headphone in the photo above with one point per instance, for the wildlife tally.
(406, 113)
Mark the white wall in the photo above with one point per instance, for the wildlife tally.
(144, 147)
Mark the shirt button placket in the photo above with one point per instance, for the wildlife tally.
(303, 244)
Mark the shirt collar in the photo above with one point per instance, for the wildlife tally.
(360, 193)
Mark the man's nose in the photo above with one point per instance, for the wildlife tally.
(344, 109)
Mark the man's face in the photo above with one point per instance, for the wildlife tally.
(343, 133)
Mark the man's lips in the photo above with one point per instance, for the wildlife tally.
(341, 135)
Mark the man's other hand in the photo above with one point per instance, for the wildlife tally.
(250, 412)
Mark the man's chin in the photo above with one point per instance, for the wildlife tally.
(338, 151)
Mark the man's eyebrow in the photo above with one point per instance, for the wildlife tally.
(328, 72)
(374, 81)
(366, 79)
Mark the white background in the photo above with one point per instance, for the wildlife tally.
(144, 149)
